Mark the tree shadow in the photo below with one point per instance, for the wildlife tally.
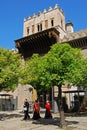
(76, 114)
(71, 122)
(53, 121)
(4, 116)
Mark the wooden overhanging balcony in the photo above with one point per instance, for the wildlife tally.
(37, 43)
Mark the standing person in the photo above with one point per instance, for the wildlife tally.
(26, 110)
(36, 110)
(48, 113)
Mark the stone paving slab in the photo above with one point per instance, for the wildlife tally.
(13, 121)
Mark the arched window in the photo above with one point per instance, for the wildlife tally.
(52, 22)
(28, 30)
(32, 28)
(46, 24)
(39, 27)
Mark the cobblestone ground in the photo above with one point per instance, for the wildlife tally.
(13, 121)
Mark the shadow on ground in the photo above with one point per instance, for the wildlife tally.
(4, 116)
(76, 114)
(54, 121)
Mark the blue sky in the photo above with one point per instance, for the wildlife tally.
(13, 12)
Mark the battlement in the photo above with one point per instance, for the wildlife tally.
(44, 12)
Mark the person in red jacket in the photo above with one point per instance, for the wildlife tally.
(48, 113)
(36, 110)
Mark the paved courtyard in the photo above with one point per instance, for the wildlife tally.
(13, 121)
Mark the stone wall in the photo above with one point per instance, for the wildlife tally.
(18, 96)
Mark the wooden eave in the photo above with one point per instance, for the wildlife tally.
(78, 43)
(37, 43)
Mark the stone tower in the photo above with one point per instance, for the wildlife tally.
(69, 27)
(53, 17)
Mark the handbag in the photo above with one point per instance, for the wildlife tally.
(25, 108)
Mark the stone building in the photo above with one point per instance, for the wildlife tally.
(45, 29)
(40, 31)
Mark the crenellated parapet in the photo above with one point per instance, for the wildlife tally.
(44, 11)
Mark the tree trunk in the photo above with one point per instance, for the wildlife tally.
(62, 117)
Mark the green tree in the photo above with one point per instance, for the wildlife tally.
(9, 69)
(62, 64)
(81, 80)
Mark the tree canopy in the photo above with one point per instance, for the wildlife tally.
(60, 65)
(9, 69)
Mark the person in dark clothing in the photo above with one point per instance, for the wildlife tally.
(26, 110)
(36, 110)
